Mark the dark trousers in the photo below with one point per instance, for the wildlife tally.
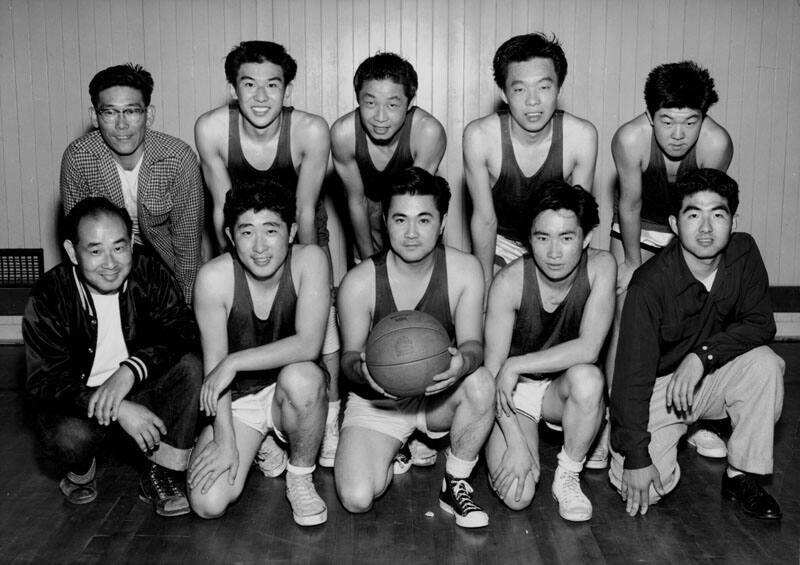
(173, 396)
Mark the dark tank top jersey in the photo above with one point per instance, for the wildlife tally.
(512, 190)
(246, 330)
(657, 190)
(536, 329)
(372, 178)
(240, 169)
(435, 301)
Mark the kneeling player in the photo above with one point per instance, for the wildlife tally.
(414, 273)
(262, 310)
(547, 318)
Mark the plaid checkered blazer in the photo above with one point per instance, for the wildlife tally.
(170, 195)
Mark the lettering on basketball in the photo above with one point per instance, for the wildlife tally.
(403, 347)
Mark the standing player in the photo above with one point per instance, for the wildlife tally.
(384, 135)
(651, 152)
(261, 309)
(256, 138)
(414, 273)
(693, 344)
(509, 154)
(154, 176)
(547, 319)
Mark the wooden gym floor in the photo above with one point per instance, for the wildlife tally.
(692, 525)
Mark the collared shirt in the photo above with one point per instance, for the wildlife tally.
(169, 198)
(669, 314)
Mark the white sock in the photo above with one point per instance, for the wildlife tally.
(732, 472)
(568, 463)
(456, 467)
(333, 411)
(294, 470)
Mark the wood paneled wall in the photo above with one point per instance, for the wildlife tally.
(50, 49)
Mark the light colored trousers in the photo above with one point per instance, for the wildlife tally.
(748, 388)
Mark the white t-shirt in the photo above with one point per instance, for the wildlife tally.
(708, 282)
(110, 350)
(130, 193)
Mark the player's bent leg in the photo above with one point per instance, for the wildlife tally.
(299, 409)
(496, 451)
(469, 411)
(576, 400)
(363, 469)
(221, 494)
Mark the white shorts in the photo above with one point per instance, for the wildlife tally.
(648, 238)
(255, 411)
(529, 396)
(506, 250)
(394, 418)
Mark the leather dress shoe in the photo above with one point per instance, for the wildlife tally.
(755, 501)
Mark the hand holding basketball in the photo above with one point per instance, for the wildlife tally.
(448, 378)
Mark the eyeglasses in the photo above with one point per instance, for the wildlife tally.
(132, 115)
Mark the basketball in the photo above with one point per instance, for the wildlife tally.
(405, 350)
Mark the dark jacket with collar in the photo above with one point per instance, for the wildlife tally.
(60, 331)
(669, 314)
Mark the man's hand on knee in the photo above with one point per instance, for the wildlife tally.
(214, 459)
(106, 399)
(635, 488)
(142, 425)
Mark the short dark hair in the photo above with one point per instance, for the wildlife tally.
(267, 194)
(94, 206)
(679, 85)
(416, 181)
(259, 52)
(129, 74)
(701, 180)
(383, 66)
(521, 48)
(560, 195)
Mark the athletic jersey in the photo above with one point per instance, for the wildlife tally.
(239, 169)
(372, 178)
(513, 189)
(435, 301)
(246, 330)
(657, 190)
(536, 329)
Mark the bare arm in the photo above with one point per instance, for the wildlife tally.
(583, 147)
(716, 150)
(595, 323)
(483, 224)
(344, 161)
(207, 138)
(629, 170)
(314, 139)
(429, 142)
(354, 305)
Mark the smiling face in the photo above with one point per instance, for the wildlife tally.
(414, 226)
(261, 241)
(124, 136)
(557, 243)
(703, 226)
(260, 91)
(531, 93)
(676, 130)
(103, 253)
(382, 106)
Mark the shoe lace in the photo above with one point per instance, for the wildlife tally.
(570, 487)
(163, 483)
(301, 490)
(462, 494)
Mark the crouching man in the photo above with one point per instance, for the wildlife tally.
(692, 345)
(262, 309)
(548, 315)
(109, 341)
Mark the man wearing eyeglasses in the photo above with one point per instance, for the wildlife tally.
(154, 176)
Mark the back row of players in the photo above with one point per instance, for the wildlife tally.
(110, 339)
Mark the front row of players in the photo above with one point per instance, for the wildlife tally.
(110, 340)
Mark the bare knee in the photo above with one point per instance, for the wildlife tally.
(356, 498)
(302, 383)
(479, 389)
(209, 505)
(586, 385)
